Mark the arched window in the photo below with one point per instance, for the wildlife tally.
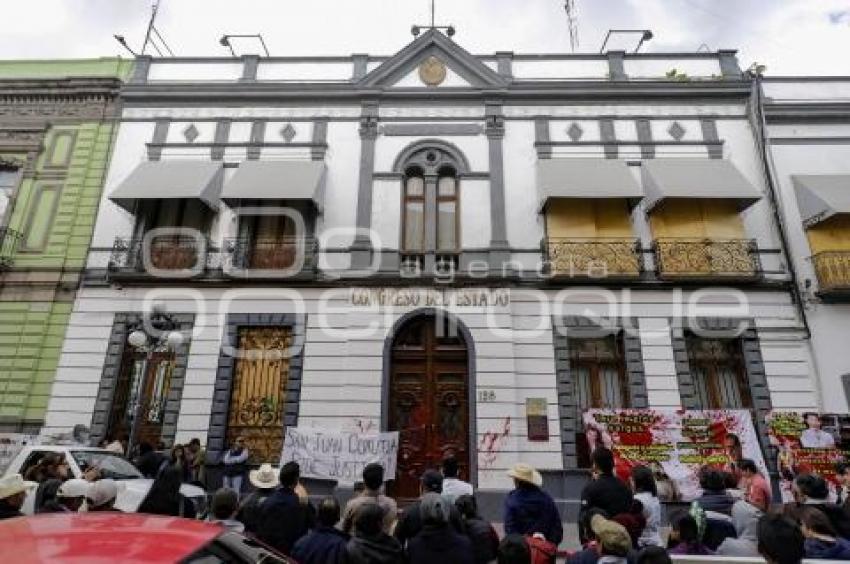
(430, 199)
(413, 222)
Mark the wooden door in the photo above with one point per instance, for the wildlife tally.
(153, 390)
(429, 402)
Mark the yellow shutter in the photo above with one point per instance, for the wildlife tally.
(830, 235)
(570, 218)
(697, 219)
(612, 219)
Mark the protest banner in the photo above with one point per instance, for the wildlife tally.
(675, 444)
(340, 456)
(807, 443)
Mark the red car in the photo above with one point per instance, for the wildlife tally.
(91, 538)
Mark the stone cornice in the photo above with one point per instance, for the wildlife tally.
(807, 112)
(66, 99)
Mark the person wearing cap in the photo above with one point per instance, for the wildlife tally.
(613, 543)
(13, 491)
(530, 510)
(410, 522)
(101, 495)
(265, 480)
(70, 497)
(373, 480)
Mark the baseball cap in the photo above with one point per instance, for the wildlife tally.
(73, 488)
(613, 537)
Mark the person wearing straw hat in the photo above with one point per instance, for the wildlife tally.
(528, 509)
(13, 491)
(265, 479)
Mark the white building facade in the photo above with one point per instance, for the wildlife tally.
(473, 250)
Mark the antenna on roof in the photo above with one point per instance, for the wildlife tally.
(152, 32)
(572, 22)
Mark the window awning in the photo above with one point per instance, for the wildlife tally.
(689, 178)
(821, 196)
(591, 178)
(171, 180)
(277, 180)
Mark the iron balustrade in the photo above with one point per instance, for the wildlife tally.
(696, 258)
(10, 240)
(593, 257)
(833, 270)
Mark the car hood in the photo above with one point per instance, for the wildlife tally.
(132, 492)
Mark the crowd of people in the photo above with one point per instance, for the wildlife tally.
(619, 522)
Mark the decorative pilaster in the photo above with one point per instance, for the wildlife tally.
(495, 131)
(361, 249)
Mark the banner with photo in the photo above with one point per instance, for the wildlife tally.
(675, 444)
(808, 443)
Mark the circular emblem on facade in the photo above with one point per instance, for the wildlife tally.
(432, 71)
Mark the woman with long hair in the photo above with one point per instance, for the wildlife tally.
(645, 490)
(178, 459)
(164, 497)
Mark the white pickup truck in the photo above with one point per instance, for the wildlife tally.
(132, 485)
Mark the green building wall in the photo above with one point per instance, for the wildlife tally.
(54, 211)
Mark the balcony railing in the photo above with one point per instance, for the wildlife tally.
(593, 258)
(185, 256)
(169, 253)
(9, 242)
(833, 271)
(699, 258)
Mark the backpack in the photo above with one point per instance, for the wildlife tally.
(542, 551)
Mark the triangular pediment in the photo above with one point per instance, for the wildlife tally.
(462, 69)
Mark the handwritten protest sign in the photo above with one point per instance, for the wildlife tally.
(807, 443)
(340, 456)
(675, 444)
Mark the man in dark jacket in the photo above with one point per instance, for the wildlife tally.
(410, 522)
(437, 541)
(484, 538)
(149, 461)
(325, 544)
(13, 491)
(370, 544)
(605, 492)
(284, 518)
(530, 510)
(811, 490)
(265, 480)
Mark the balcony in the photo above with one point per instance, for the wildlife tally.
(9, 241)
(180, 257)
(735, 259)
(833, 271)
(280, 258)
(593, 258)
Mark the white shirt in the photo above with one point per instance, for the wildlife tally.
(816, 438)
(454, 488)
(652, 513)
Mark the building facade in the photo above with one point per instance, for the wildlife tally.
(467, 249)
(807, 132)
(56, 129)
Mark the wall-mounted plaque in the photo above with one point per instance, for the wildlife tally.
(537, 419)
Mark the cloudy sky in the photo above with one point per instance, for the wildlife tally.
(789, 36)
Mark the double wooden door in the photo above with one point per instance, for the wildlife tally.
(428, 400)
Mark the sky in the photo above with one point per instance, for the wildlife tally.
(791, 37)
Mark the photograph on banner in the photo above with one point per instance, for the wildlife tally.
(675, 444)
(339, 455)
(808, 443)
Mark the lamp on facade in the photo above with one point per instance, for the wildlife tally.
(156, 334)
(645, 35)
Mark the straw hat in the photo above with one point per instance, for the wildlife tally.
(14, 484)
(264, 477)
(526, 473)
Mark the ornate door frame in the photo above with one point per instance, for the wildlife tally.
(471, 376)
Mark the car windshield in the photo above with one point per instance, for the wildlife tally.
(110, 464)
